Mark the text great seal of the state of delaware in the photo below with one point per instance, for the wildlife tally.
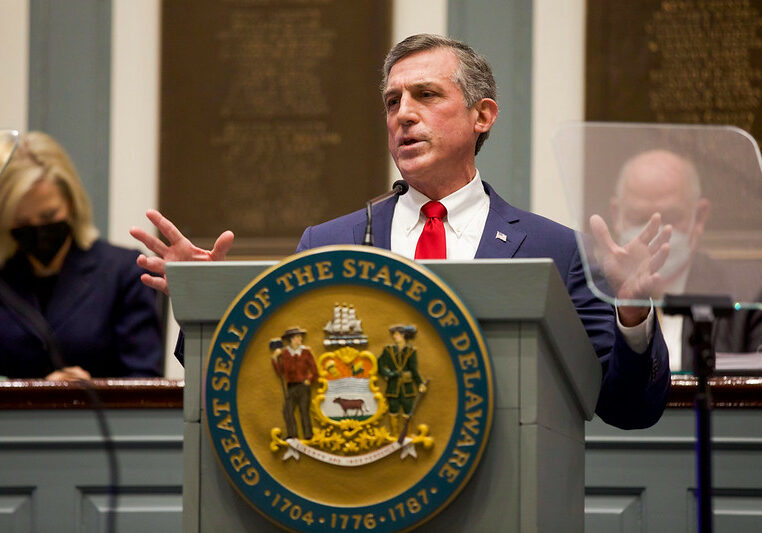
(349, 389)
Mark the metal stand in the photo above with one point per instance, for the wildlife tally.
(702, 311)
(703, 366)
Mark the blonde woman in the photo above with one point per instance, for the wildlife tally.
(87, 290)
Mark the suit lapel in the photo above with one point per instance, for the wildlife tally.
(17, 273)
(19, 281)
(74, 282)
(382, 225)
(500, 237)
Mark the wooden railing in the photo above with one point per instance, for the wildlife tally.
(153, 393)
(727, 392)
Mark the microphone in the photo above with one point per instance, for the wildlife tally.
(399, 188)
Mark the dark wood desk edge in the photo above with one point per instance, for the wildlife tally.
(123, 393)
(728, 392)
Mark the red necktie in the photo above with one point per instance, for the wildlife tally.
(432, 243)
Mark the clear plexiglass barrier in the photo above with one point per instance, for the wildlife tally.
(665, 209)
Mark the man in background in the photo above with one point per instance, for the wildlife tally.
(660, 181)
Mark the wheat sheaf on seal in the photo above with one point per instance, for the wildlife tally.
(345, 417)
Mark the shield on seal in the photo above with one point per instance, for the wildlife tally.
(348, 374)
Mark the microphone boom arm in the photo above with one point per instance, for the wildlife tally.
(399, 188)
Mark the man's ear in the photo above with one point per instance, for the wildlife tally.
(703, 208)
(486, 114)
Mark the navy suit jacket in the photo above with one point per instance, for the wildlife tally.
(104, 319)
(740, 332)
(634, 387)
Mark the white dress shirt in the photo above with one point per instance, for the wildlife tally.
(467, 210)
(672, 325)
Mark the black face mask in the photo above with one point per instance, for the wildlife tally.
(42, 242)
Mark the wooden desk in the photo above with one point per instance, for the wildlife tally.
(645, 480)
(54, 477)
(54, 472)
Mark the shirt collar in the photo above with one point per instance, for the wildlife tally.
(462, 206)
(291, 351)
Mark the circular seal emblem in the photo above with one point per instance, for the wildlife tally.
(348, 389)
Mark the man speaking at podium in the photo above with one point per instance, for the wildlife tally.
(439, 97)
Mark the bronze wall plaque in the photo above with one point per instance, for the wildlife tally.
(675, 61)
(271, 117)
(681, 62)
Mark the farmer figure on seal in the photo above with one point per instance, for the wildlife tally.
(399, 366)
(296, 367)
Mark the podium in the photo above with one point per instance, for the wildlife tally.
(547, 376)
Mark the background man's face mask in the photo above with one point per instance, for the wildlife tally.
(44, 241)
(680, 249)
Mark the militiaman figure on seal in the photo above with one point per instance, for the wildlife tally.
(398, 364)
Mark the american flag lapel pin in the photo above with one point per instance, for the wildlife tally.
(502, 236)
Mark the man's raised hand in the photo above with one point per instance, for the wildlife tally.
(631, 269)
(178, 249)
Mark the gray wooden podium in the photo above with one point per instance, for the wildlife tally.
(531, 477)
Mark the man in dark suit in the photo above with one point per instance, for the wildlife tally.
(440, 104)
(739, 333)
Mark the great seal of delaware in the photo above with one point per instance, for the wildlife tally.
(348, 388)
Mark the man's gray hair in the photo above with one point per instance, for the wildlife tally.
(473, 75)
